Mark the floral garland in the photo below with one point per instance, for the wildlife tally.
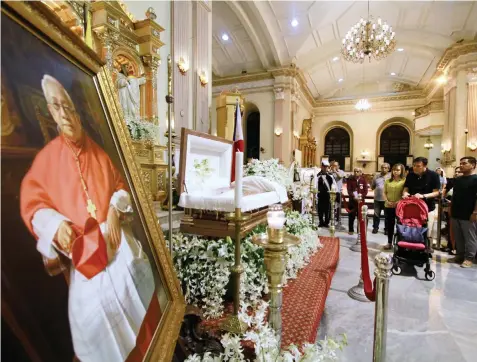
(270, 169)
(267, 343)
(142, 130)
(203, 265)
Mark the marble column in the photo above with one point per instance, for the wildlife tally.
(460, 115)
(283, 133)
(182, 55)
(202, 65)
(472, 115)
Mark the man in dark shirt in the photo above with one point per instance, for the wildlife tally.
(423, 184)
(356, 185)
(464, 213)
(324, 183)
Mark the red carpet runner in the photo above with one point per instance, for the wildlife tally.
(304, 298)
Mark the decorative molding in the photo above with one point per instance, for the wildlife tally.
(430, 131)
(252, 85)
(352, 101)
(239, 79)
(279, 93)
(434, 106)
(454, 52)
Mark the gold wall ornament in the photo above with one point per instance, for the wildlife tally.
(203, 78)
(36, 19)
(307, 144)
(183, 66)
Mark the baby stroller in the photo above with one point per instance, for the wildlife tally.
(411, 244)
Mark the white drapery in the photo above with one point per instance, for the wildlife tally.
(472, 115)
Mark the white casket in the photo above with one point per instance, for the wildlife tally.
(207, 199)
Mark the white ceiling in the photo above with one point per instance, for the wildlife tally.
(261, 37)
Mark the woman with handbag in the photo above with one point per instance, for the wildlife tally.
(393, 188)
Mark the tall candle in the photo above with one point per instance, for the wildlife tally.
(238, 179)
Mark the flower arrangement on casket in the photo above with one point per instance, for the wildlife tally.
(270, 169)
(267, 344)
(203, 264)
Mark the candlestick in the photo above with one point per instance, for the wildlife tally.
(238, 179)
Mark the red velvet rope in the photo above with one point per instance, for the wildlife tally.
(369, 289)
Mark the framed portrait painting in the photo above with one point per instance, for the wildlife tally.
(86, 275)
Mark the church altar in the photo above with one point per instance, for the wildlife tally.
(307, 145)
(153, 168)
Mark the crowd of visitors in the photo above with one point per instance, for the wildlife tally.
(394, 184)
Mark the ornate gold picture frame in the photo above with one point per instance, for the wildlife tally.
(40, 57)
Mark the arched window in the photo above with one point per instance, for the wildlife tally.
(337, 145)
(394, 144)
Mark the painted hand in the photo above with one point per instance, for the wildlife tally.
(65, 236)
(473, 217)
(114, 228)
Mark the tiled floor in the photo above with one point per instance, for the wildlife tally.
(428, 321)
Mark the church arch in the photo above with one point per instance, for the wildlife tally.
(123, 55)
(337, 145)
(394, 141)
(338, 132)
(251, 122)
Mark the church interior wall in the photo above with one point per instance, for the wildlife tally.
(265, 102)
(432, 154)
(365, 127)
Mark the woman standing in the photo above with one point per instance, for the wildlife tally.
(393, 188)
(443, 179)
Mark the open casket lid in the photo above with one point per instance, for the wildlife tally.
(197, 146)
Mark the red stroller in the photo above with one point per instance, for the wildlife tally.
(411, 244)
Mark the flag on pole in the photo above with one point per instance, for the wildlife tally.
(238, 137)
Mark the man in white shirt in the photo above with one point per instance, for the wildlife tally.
(338, 175)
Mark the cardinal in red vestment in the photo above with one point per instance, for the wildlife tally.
(112, 315)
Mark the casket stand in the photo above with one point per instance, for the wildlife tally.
(207, 201)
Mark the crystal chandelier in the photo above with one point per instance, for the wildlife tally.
(363, 105)
(368, 38)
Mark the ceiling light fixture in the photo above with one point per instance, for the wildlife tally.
(363, 105)
(225, 37)
(400, 49)
(393, 73)
(340, 80)
(368, 39)
(294, 23)
(335, 59)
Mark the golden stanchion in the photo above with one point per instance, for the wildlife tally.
(314, 206)
(233, 324)
(275, 244)
(384, 264)
(439, 221)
